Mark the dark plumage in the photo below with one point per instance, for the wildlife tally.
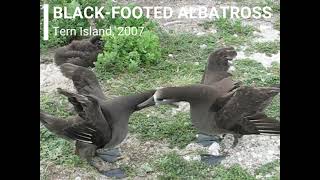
(84, 80)
(79, 52)
(218, 65)
(240, 111)
(100, 124)
(219, 105)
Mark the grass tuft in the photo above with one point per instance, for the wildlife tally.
(173, 166)
(269, 48)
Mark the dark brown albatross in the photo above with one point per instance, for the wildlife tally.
(79, 52)
(239, 112)
(100, 124)
(218, 97)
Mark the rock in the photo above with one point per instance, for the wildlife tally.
(232, 68)
(170, 55)
(213, 31)
(200, 33)
(51, 78)
(192, 147)
(192, 157)
(214, 149)
(252, 151)
(183, 107)
(203, 46)
(77, 178)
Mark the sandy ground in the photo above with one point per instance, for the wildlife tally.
(252, 151)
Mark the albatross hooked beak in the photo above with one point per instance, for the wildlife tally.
(147, 103)
(155, 101)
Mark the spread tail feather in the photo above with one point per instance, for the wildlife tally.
(261, 124)
(267, 126)
(53, 124)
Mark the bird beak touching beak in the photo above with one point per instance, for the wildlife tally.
(147, 103)
(154, 101)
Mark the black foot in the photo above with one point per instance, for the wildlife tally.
(206, 140)
(114, 173)
(211, 159)
(109, 155)
(236, 140)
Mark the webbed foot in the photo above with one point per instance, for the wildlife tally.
(206, 140)
(109, 155)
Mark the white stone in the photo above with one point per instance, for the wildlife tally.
(200, 33)
(214, 149)
(213, 31)
(203, 46)
(192, 157)
(232, 68)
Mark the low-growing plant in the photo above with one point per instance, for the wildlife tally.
(226, 26)
(173, 166)
(268, 47)
(128, 52)
(253, 73)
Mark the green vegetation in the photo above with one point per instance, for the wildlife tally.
(226, 26)
(55, 104)
(271, 171)
(173, 166)
(276, 24)
(128, 52)
(274, 4)
(230, 32)
(253, 73)
(269, 48)
(176, 130)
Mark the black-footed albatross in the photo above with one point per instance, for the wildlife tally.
(100, 124)
(80, 52)
(239, 112)
(216, 69)
(217, 77)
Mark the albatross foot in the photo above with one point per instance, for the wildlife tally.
(109, 155)
(206, 140)
(106, 169)
(211, 159)
(236, 140)
(114, 173)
